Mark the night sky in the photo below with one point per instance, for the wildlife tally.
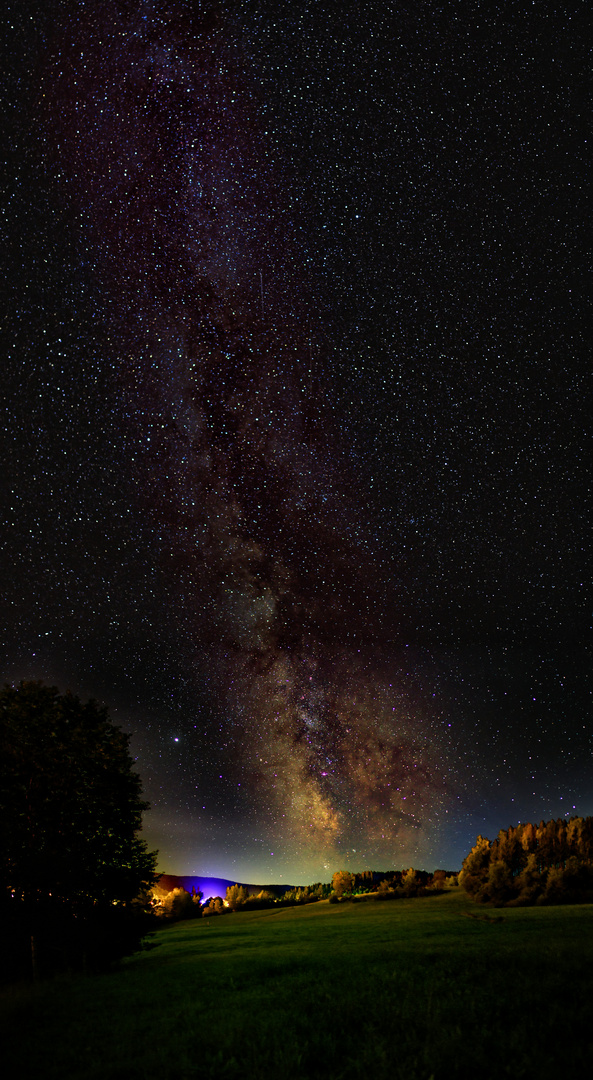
(295, 459)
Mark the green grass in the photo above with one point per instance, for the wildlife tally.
(408, 989)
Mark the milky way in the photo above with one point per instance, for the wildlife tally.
(266, 593)
(258, 505)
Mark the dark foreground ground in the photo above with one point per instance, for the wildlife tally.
(407, 989)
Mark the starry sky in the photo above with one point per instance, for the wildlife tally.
(295, 438)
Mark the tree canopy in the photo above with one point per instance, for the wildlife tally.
(70, 807)
(342, 882)
(70, 802)
(547, 863)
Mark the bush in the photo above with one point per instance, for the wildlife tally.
(59, 941)
(214, 906)
(179, 904)
(236, 897)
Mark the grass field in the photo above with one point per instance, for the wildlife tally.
(410, 989)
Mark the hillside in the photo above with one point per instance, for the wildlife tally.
(403, 991)
(213, 886)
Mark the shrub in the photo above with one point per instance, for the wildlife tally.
(214, 906)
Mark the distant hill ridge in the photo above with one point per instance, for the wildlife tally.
(213, 886)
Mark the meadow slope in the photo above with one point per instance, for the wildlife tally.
(411, 988)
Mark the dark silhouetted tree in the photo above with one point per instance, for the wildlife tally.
(438, 879)
(70, 811)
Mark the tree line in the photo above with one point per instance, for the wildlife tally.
(549, 863)
(388, 885)
(180, 904)
(344, 886)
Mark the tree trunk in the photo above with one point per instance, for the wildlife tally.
(34, 959)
